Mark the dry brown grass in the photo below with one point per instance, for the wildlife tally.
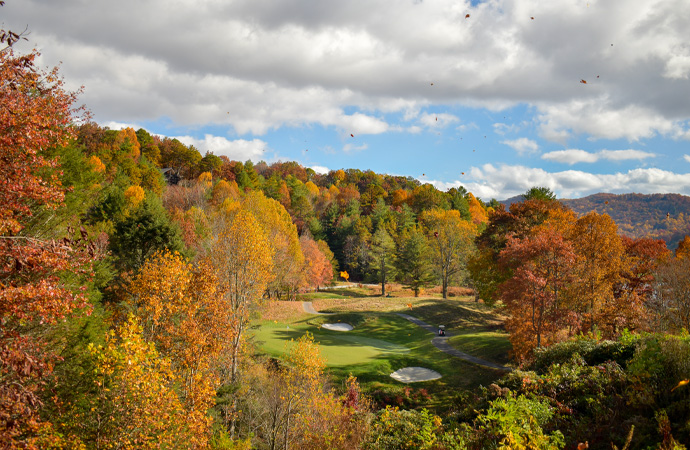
(282, 310)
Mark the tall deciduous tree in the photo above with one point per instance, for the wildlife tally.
(317, 267)
(541, 266)
(241, 257)
(598, 267)
(35, 115)
(451, 241)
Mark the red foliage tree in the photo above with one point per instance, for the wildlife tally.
(542, 269)
(35, 115)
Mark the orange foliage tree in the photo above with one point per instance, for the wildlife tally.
(317, 267)
(179, 312)
(598, 267)
(541, 266)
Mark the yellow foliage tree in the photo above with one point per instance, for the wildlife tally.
(288, 259)
(134, 195)
(178, 310)
(452, 242)
(135, 406)
(97, 164)
(205, 179)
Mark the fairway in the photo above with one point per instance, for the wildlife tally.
(336, 348)
(382, 342)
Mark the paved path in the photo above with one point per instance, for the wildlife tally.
(309, 309)
(441, 343)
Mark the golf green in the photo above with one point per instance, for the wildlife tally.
(337, 348)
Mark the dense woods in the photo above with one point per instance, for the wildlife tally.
(132, 266)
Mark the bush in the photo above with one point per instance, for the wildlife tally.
(592, 351)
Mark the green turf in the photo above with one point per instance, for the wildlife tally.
(382, 343)
(490, 345)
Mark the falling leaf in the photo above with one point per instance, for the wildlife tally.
(432, 84)
(352, 135)
(606, 202)
(583, 81)
(597, 76)
(423, 174)
(437, 119)
(409, 305)
(532, 18)
(467, 16)
(680, 383)
(463, 173)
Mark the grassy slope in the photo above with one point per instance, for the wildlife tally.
(383, 342)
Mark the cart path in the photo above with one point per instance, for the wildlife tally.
(441, 343)
(309, 309)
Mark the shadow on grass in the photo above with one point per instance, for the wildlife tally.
(456, 314)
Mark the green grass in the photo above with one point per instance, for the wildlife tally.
(382, 343)
(490, 345)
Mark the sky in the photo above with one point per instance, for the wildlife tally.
(497, 96)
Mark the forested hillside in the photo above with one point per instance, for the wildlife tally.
(656, 216)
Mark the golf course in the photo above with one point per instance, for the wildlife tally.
(363, 334)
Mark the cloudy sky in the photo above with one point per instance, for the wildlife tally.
(498, 96)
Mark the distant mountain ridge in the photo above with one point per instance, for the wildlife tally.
(658, 216)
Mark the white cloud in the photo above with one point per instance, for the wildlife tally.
(120, 125)
(686, 157)
(522, 145)
(574, 156)
(352, 148)
(505, 181)
(239, 149)
(271, 65)
(570, 156)
(320, 169)
(438, 120)
(601, 118)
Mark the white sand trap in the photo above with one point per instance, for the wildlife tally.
(337, 326)
(412, 374)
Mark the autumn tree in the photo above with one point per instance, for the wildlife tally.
(288, 404)
(317, 267)
(634, 291)
(134, 404)
(518, 221)
(670, 304)
(541, 267)
(35, 115)
(599, 262)
(241, 258)
(287, 262)
(451, 241)
(179, 311)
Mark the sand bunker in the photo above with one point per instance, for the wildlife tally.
(337, 326)
(413, 374)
